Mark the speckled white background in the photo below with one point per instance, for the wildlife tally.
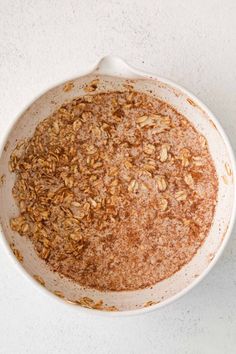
(191, 42)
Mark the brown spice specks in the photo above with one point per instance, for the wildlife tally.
(114, 197)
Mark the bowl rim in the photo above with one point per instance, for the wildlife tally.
(124, 70)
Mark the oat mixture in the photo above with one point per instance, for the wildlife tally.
(116, 191)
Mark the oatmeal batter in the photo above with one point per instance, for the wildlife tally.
(116, 191)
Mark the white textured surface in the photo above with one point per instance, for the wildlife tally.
(192, 43)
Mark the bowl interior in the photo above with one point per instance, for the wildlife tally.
(168, 288)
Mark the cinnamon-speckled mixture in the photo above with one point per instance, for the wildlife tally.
(116, 191)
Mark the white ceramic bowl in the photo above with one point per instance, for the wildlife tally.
(114, 73)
